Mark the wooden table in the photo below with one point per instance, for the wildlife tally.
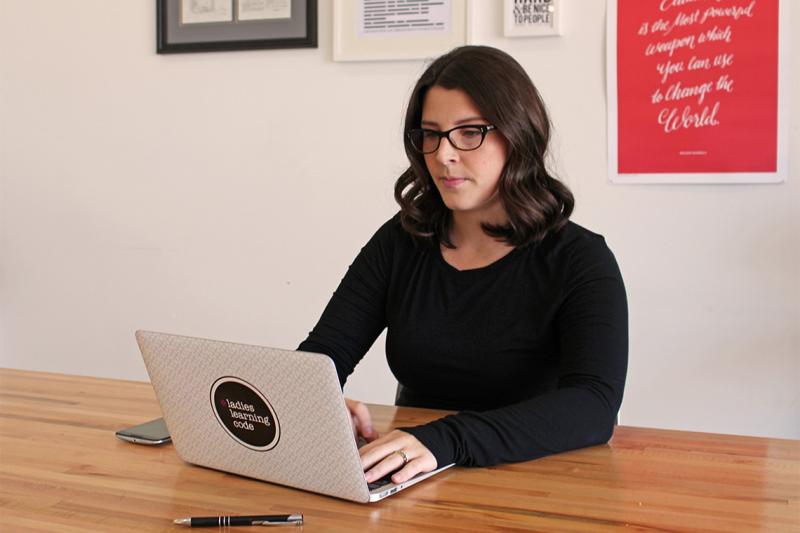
(62, 469)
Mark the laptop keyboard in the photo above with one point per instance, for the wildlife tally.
(378, 483)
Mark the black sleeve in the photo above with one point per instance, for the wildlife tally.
(592, 330)
(356, 313)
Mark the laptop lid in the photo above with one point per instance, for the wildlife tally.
(270, 414)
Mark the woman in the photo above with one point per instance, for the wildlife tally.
(496, 305)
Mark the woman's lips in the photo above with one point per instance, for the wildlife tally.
(452, 182)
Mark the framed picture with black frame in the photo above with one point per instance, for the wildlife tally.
(225, 25)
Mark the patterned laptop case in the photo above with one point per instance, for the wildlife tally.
(264, 413)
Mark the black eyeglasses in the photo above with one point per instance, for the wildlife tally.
(464, 138)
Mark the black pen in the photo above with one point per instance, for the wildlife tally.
(264, 520)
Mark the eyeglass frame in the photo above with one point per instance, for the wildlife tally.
(484, 129)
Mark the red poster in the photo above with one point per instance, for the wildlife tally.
(697, 86)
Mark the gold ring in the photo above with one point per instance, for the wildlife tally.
(402, 454)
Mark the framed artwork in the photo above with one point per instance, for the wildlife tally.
(220, 25)
(531, 18)
(697, 91)
(365, 30)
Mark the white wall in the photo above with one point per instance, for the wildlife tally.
(224, 194)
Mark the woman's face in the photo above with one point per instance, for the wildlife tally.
(467, 181)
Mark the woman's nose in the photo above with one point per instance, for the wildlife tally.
(446, 152)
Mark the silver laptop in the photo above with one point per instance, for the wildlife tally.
(269, 414)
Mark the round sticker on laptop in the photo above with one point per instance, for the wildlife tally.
(245, 413)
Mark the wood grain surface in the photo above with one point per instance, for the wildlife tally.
(62, 469)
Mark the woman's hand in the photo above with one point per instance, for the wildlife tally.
(383, 455)
(362, 421)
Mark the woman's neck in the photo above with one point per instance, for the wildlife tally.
(473, 247)
(467, 228)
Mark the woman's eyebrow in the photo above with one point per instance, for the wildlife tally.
(457, 123)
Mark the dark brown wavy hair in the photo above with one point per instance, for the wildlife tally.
(536, 203)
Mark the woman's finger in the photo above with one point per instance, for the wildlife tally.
(362, 421)
(390, 463)
(377, 450)
(410, 470)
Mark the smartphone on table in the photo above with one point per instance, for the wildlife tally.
(152, 433)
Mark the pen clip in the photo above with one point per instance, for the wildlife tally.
(292, 520)
(268, 523)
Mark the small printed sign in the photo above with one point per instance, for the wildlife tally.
(526, 18)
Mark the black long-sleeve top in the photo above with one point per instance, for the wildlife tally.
(531, 350)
